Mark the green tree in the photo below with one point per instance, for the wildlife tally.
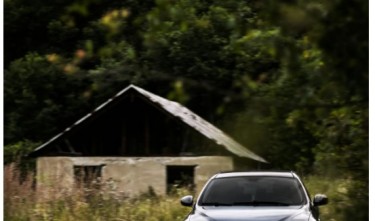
(40, 99)
(326, 67)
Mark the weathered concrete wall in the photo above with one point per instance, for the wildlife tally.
(54, 177)
(128, 175)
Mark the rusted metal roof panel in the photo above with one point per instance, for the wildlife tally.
(183, 114)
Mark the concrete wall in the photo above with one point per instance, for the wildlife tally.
(127, 175)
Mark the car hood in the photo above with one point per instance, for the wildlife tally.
(242, 213)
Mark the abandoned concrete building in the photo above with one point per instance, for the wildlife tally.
(137, 140)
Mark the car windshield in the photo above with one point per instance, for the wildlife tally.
(253, 191)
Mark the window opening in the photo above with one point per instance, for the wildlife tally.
(88, 177)
(180, 177)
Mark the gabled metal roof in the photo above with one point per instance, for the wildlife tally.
(180, 112)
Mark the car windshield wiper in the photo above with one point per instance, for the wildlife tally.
(261, 203)
(215, 204)
(246, 203)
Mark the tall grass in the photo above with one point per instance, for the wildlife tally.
(18, 193)
(21, 203)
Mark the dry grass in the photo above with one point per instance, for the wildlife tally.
(20, 203)
(18, 193)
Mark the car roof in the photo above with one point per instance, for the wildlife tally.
(256, 173)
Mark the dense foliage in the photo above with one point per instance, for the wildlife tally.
(289, 79)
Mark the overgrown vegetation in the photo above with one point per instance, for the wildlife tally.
(22, 202)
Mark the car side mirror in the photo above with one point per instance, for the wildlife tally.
(320, 199)
(187, 200)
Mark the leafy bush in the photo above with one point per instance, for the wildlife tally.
(341, 199)
(16, 151)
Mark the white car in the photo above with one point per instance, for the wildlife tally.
(254, 196)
